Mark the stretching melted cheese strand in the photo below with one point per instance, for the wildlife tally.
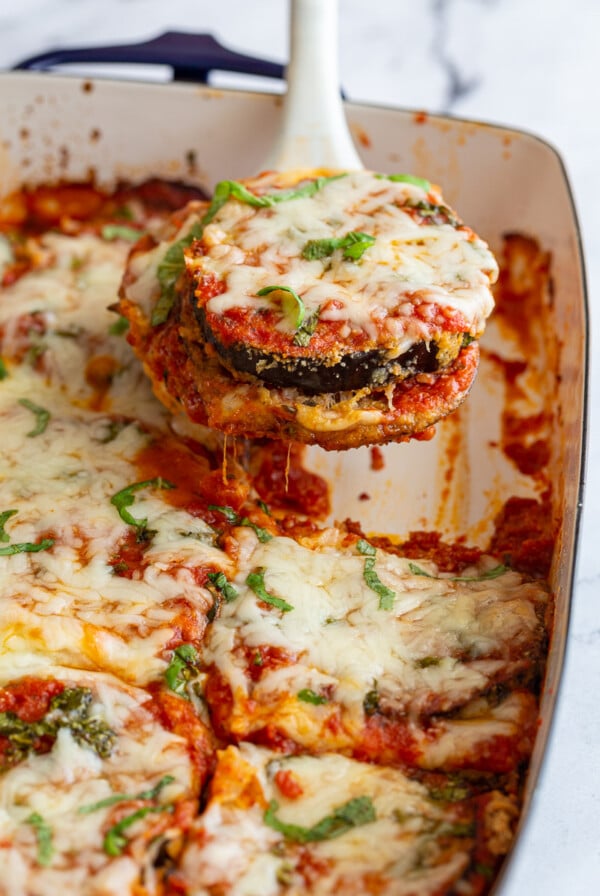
(66, 602)
(398, 853)
(57, 784)
(440, 644)
(409, 263)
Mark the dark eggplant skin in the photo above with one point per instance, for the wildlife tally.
(313, 375)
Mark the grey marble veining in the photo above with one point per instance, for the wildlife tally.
(525, 63)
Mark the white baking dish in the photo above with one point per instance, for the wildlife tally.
(66, 128)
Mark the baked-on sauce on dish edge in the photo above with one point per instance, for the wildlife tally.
(205, 691)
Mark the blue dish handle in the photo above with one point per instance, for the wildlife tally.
(191, 56)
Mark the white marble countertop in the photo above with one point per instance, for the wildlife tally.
(531, 64)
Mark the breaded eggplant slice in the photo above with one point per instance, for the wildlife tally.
(188, 377)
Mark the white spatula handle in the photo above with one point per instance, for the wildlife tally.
(314, 132)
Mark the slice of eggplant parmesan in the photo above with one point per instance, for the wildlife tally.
(339, 284)
(334, 373)
(333, 310)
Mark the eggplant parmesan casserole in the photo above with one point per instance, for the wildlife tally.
(332, 309)
(203, 690)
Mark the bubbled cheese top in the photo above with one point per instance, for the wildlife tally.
(422, 255)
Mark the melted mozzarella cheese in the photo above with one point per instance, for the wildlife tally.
(397, 851)
(409, 264)
(66, 602)
(442, 641)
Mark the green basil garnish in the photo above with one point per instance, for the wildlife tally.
(426, 661)
(114, 841)
(354, 244)
(407, 179)
(386, 595)
(151, 794)
(69, 709)
(42, 416)
(223, 585)
(287, 290)
(234, 518)
(3, 370)
(119, 232)
(304, 333)
(490, 574)
(437, 214)
(228, 512)
(43, 836)
(256, 581)
(309, 696)
(125, 498)
(371, 702)
(26, 547)
(4, 517)
(120, 326)
(182, 668)
(355, 813)
(168, 272)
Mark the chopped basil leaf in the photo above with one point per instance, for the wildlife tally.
(427, 661)
(485, 870)
(451, 791)
(490, 574)
(304, 192)
(3, 370)
(120, 326)
(371, 702)
(407, 179)
(168, 272)
(43, 836)
(256, 581)
(221, 583)
(228, 512)
(4, 517)
(124, 212)
(69, 709)
(309, 696)
(151, 794)
(304, 332)
(120, 232)
(71, 331)
(42, 416)
(264, 507)
(435, 214)
(262, 534)
(233, 189)
(457, 829)
(363, 547)
(386, 595)
(299, 304)
(125, 498)
(26, 547)
(232, 517)
(354, 813)
(467, 339)
(354, 244)
(257, 659)
(182, 668)
(114, 841)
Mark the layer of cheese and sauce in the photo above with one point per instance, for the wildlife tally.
(422, 272)
(271, 827)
